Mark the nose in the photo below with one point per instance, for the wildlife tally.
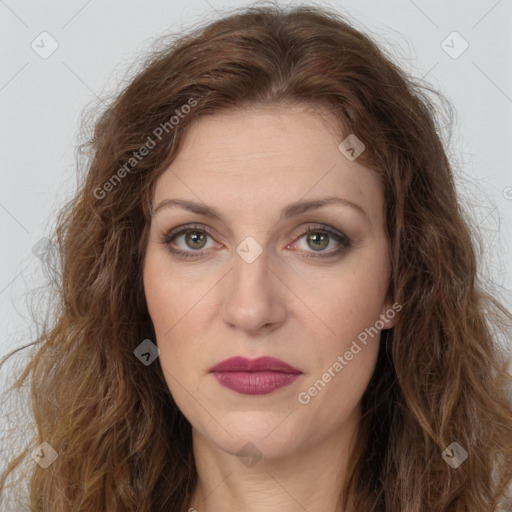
(254, 299)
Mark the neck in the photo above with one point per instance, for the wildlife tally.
(307, 479)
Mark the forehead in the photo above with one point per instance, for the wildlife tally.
(266, 156)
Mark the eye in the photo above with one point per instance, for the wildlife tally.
(318, 238)
(191, 241)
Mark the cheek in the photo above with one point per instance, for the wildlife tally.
(169, 296)
(176, 309)
(344, 359)
(164, 308)
(176, 305)
(351, 296)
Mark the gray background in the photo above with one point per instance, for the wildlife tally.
(42, 99)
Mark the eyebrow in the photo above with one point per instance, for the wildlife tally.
(295, 208)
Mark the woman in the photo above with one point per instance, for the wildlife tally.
(269, 294)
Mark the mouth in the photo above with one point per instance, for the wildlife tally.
(254, 376)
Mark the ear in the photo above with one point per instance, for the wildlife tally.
(389, 312)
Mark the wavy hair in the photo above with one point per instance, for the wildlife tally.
(441, 376)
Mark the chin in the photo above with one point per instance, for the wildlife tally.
(253, 434)
(250, 449)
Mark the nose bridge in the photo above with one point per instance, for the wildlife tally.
(251, 301)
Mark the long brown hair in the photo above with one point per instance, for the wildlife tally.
(122, 443)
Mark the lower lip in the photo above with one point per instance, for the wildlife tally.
(255, 383)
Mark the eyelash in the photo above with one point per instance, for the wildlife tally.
(342, 239)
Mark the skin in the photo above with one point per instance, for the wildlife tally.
(249, 165)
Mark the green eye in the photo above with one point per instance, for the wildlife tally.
(318, 239)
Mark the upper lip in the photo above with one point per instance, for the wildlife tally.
(261, 364)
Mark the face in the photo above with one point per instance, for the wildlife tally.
(240, 261)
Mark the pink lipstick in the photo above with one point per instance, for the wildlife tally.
(254, 376)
